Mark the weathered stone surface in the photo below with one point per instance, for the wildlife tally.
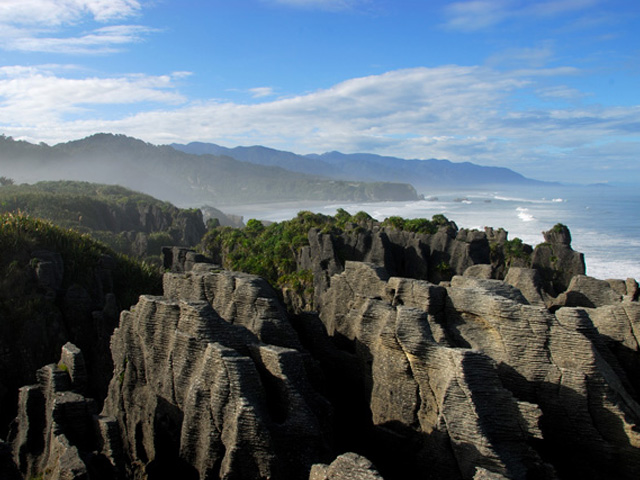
(50, 313)
(434, 257)
(556, 261)
(181, 259)
(490, 287)
(196, 391)
(479, 271)
(529, 282)
(348, 466)
(475, 380)
(238, 298)
(446, 406)
(562, 366)
(586, 291)
(54, 423)
(632, 289)
(72, 360)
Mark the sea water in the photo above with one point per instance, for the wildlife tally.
(604, 220)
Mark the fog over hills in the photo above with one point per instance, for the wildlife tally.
(422, 174)
(179, 177)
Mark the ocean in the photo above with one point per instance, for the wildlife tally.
(604, 220)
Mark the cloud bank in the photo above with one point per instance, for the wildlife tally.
(36, 25)
(461, 113)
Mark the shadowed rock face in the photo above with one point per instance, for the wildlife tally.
(432, 257)
(536, 389)
(556, 261)
(477, 379)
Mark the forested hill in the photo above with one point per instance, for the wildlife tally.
(182, 178)
(423, 174)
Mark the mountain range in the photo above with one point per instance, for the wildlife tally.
(425, 175)
(207, 174)
(181, 178)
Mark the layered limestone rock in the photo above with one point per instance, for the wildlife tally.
(473, 379)
(200, 392)
(563, 365)
(504, 387)
(433, 257)
(450, 251)
(445, 406)
(55, 422)
(52, 314)
(556, 261)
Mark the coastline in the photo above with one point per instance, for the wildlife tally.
(600, 219)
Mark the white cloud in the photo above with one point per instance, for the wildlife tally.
(102, 40)
(474, 15)
(535, 57)
(38, 25)
(36, 95)
(61, 12)
(261, 92)
(477, 14)
(456, 112)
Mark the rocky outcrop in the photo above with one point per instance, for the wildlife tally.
(445, 406)
(543, 273)
(473, 379)
(556, 261)
(433, 257)
(586, 291)
(181, 259)
(209, 384)
(47, 313)
(55, 422)
(430, 357)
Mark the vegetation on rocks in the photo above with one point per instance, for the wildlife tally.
(21, 235)
(417, 225)
(271, 251)
(128, 221)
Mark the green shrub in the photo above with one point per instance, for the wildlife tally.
(82, 257)
(417, 225)
(513, 249)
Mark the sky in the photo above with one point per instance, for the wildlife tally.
(549, 88)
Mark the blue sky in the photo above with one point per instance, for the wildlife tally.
(547, 88)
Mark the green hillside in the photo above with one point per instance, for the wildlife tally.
(130, 222)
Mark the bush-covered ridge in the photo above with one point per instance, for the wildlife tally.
(73, 204)
(271, 251)
(21, 235)
(128, 221)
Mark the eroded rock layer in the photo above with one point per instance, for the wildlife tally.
(476, 372)
(476, 378)
(198, 389)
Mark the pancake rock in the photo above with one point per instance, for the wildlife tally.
(199, 392)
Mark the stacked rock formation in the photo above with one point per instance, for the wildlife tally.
(474, 378)
(211, 383)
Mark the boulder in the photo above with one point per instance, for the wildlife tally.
(584, 291)
(529, 282)
(479, 271)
